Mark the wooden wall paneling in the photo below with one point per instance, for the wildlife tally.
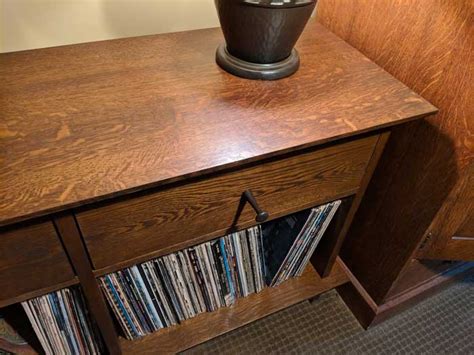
(428, 45)
(69, 232)
(466, 228)
(328, 249)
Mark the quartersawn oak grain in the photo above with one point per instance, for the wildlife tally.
(182, 215)
(86, 122)
(31, 258)
(428, 45)
(208, 325)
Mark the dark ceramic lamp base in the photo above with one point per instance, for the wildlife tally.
(248, 70)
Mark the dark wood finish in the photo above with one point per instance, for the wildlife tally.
(31, 258)
(456, 248)
(425, 44)
(328, 249)
(217, 233)
(369, 313)
(87, 122)
(69, 232)
(419, 273)
(184, 215)
(429, 287)
(208, 325)
(356, 298)
(466, 230)
(37, 292)
(451, 234)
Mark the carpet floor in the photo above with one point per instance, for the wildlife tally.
(441, 324)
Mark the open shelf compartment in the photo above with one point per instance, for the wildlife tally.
(209, 325)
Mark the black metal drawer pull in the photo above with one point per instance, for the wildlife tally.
(261, 214)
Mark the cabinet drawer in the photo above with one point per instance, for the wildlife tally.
(179, 216)
(31, 258)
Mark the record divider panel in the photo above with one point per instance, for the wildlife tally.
(322, 274)
(328, 249)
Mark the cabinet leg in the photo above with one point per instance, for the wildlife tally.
(72, 240)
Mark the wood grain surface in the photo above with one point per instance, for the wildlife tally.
(69, 232)
(421, 272)
(369, 313)
(183, 215)
(451, 234)
(20, 297)
(428, 45)
(31, 259)
(86, 122)
(328, 249)
(466, 228)
(209, 325)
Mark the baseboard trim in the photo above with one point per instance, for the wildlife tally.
(369, 313)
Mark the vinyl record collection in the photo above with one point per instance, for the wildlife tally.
(61, 322)
(166, 291)
(290, 241)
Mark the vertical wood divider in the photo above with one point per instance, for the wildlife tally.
(325, 255)
(72, 240)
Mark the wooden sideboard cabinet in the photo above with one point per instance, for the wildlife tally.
(120, 151)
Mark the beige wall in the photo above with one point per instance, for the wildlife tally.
(27, 24)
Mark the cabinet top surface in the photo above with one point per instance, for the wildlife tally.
(87, 122)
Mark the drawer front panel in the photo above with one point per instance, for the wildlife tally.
(31, 258)
(182, 215)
